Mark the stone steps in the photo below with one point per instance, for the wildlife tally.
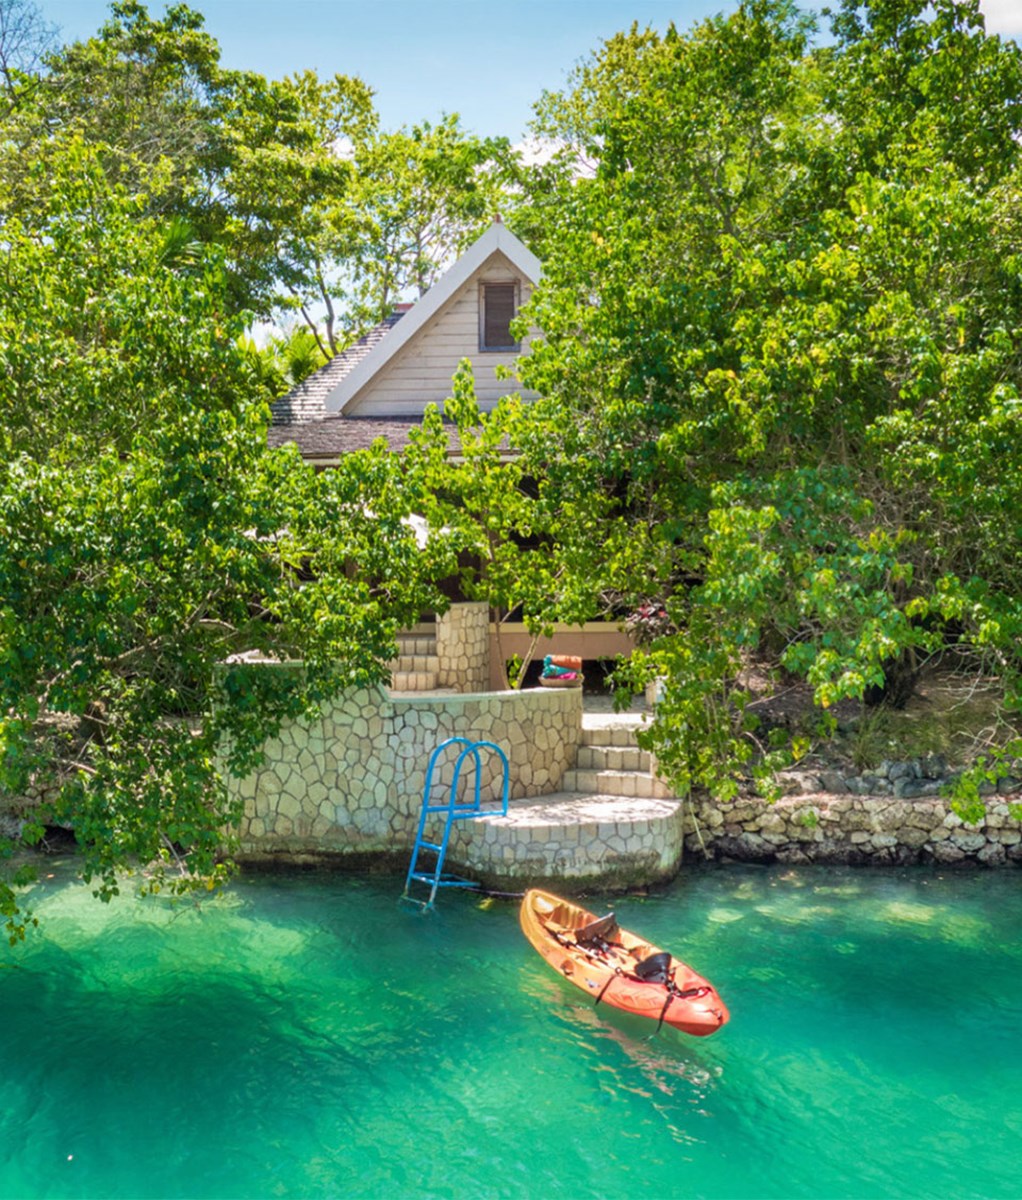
(537, 812)
(416, 668)
(612, 821)
(415, 662)
(413, 681)
(416, 644)
(633, 784)
(612, 758)
(608, 730)
(609, 761)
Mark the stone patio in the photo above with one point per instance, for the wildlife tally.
(614, 823)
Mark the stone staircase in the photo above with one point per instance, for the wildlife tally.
(415, 668)
(613, 822)
(609, 761)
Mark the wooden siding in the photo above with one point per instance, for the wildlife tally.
(421, 371)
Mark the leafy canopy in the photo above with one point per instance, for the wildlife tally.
(152, 541)
(782, 322)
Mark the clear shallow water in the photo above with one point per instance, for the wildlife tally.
(307, 1036)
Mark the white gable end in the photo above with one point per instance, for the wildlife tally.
(412, 366)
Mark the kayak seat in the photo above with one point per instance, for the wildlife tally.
(655, 969)
(596, 931)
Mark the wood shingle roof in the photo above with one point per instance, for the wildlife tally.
(301, 416)
(329, 438)
(305, 402)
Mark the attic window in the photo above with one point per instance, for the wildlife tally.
(497, 307)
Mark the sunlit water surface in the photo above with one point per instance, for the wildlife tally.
(308, 1036)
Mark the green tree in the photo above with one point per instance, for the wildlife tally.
(249, 163)
(145, 90)
(25, 38)
(422, 194)
(150, 538)
(782, 315)
(521, 543)
(318, 212)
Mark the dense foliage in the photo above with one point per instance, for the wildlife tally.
(319, 213)
(782, 305)
(150, 538)
(152, 205)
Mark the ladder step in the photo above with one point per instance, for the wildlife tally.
(442, 880)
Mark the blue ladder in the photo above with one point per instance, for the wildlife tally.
(451, 811)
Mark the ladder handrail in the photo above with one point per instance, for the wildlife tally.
(451, 741)
(473, 748)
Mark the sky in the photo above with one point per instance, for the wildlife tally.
(488, 62)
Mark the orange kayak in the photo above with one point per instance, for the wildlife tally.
(618, 967)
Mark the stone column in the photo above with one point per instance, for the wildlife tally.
(463, 647)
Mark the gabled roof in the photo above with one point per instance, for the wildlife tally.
(311, 415)
(498, 238)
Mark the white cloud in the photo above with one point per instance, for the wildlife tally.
(536, 150)
(1003, 16)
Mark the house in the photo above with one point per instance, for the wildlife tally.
(380, 387)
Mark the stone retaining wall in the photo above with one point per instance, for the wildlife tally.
(860, 830)
(907, 779)
(351, 783)
(603, 842)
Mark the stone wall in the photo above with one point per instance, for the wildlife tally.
(860, 830)
(603, 842)
(463, 647)
(351, 782)
(906, 778)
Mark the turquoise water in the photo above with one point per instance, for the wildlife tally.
(307, 1036)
